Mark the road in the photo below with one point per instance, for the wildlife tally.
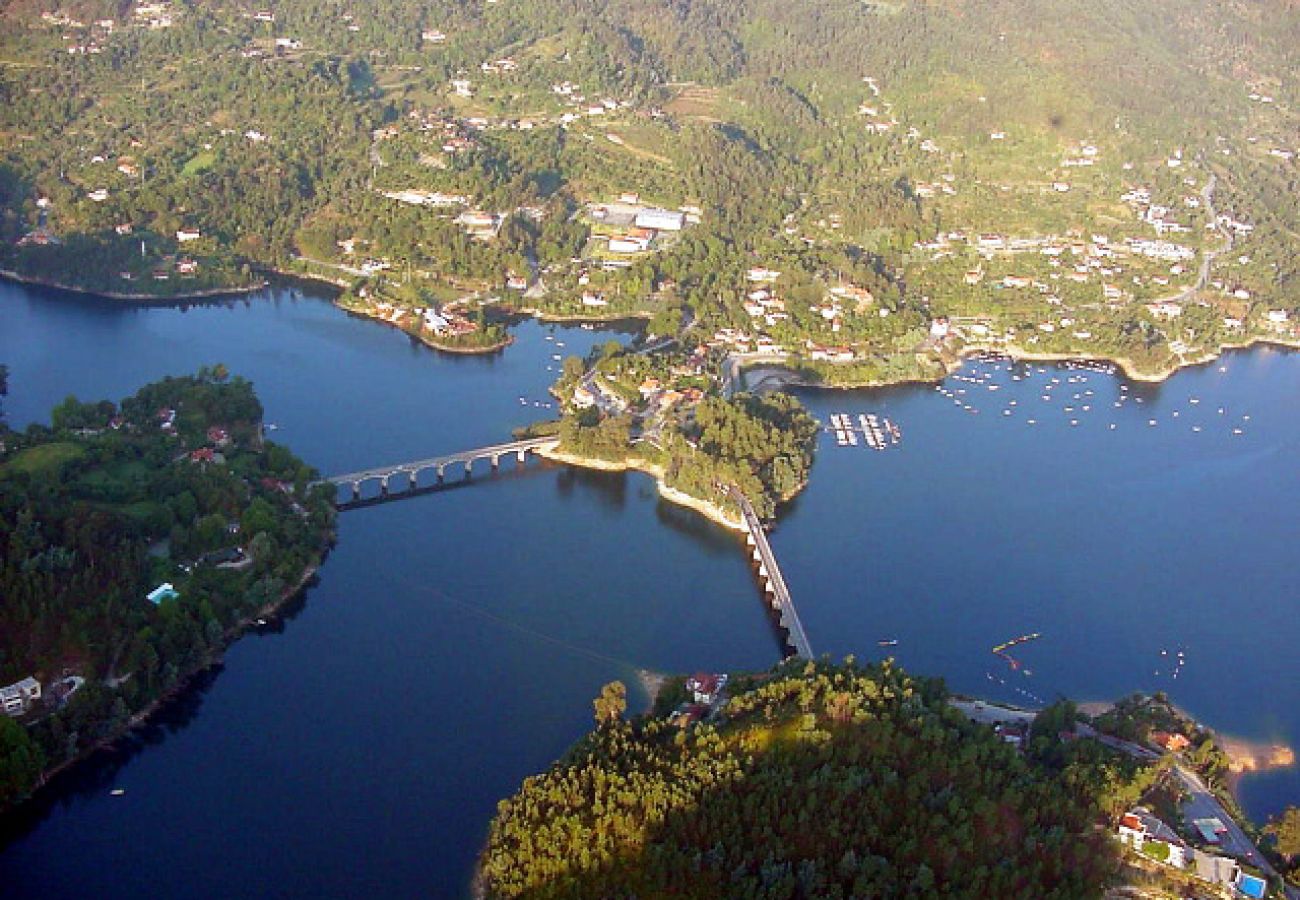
(1201, 804)
(1207, 258)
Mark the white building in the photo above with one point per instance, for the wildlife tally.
(17, 697)
(661, 219)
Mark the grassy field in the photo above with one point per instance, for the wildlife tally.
(43, 461)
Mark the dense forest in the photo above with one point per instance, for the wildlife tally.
(762, 445)
(175, 485)
(815, 780)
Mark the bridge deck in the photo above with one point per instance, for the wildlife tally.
(789, 615)
(434, 462)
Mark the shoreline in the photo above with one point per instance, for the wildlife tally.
(205, 294)
(427, 341)
(786, 377)
(213, 658)
(1125, 365)
(672, 495)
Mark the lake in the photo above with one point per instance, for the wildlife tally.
(454, 641)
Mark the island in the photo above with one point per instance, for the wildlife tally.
(137, 540)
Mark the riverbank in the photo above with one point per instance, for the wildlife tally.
(212, 659)
(430, 341)
(710, 511)
(576, 318)
(775, 377)
(205, 294)
(1125, 365)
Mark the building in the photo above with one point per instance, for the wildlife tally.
(162, 592)
(660, 219)
(705, 687)
(185, 235)
(1174, 743)
(629, 243)
(1211, 830)
(18, 697)
(1216, 869)
(583, 398)
(1149, 835)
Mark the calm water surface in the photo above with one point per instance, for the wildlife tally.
(455, 640)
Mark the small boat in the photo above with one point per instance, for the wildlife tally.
(261, 623)
(888, 642)
(117, 792)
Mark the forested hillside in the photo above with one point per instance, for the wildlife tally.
(814, 780)
(173, 488)
(1047, 174)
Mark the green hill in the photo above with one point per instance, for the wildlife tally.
(814, 780)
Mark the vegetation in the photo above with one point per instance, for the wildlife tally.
(816, 780)
(1285, 833)
(841, 144)
(762, 445)
(176, 485)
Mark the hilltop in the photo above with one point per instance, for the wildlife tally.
(813, 780)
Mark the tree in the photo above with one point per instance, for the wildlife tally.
(1285, 830)
(611, 703)
(20, 762)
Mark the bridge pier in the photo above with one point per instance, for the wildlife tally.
(496, 461)
(383, 486)
(415, 479)
(469, 467)
(521, 456)
(441, 473)
(356, 490)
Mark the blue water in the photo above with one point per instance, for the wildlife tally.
(454, 641)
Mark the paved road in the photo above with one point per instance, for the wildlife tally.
(1202, 804)
(1207, 258)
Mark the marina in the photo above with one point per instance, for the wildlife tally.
(876, 433)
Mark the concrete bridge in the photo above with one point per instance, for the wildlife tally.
(408, 473)
(770, 577)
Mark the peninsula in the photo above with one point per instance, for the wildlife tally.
(870, 782)
(137, 540)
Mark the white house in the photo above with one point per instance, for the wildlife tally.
(186, 235)
(629, 244)
(17, 697)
